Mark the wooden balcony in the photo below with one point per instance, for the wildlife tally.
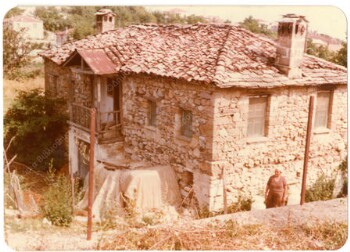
(108, 124)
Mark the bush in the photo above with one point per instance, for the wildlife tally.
(321, 190)
(57, 200)
(39, 126)
(242, 204)
(343, 167)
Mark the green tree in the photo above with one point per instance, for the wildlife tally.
(341, 56)
(14, 12)
(250, 24)
(52, 18)
(319, 51)
(83, 20)
(253, 25)
(16, 52)
(38, 124)
(194, 19)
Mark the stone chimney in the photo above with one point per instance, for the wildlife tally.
(105, 20)
(292, 30)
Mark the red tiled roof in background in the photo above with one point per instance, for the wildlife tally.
(225, 55)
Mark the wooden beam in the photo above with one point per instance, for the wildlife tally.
(307, 149)
(91, 171)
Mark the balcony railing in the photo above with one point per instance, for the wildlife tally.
(108, 124)
(81, 116)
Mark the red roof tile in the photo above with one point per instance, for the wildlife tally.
(221, 54)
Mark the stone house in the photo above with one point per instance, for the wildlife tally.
(216, 102)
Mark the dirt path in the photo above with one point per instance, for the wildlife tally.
(52, 238)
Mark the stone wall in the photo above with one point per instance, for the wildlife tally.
(249, 162)
(163, 144)
(219, 141)
(75, 87)
(64, 78)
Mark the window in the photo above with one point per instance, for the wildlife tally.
(111, 84)
(53, 84)
(152, 113)
(257, 116)
(323, 108)
(186, 123)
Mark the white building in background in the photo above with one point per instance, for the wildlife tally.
(34, 28)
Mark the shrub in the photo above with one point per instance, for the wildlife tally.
(343, 167)
(242, 204)
(57, 200)
(39, 125)
(322, 189)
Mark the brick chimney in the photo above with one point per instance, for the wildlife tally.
(105, 20)
(292, 30)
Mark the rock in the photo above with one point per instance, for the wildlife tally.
(46, 222)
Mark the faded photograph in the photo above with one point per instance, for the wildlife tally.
(175, 128)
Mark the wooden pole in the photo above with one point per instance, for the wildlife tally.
(91, 170)
(224, 189)
(307, 149)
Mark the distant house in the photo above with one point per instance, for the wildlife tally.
(34, 28)
(216, 102)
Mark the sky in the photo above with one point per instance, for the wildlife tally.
(324, 19)
(328, 19)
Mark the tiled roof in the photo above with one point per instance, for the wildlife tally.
(225, 55)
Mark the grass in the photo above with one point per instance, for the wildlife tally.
(231, 236)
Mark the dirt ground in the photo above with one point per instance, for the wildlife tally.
(27, 234)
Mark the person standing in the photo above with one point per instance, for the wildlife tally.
(276, 190)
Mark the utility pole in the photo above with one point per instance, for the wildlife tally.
(307, 149)
(91, 170)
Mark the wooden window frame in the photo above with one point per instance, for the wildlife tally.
(254, 119)
(327, 112)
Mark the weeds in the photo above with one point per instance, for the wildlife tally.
(230, 236)
(331, 235)
(322, 189)
(9, 196)
(57, 200)
(343, 167)
(242, 204)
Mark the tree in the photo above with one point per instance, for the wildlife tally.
(253, 25)
(52, 18)
(193, 19)
(341, 56)
(319, 51)
(16, 51)
(250, 24)
(38, 124)
(14, 12)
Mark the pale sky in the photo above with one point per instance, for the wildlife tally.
(324, 19)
